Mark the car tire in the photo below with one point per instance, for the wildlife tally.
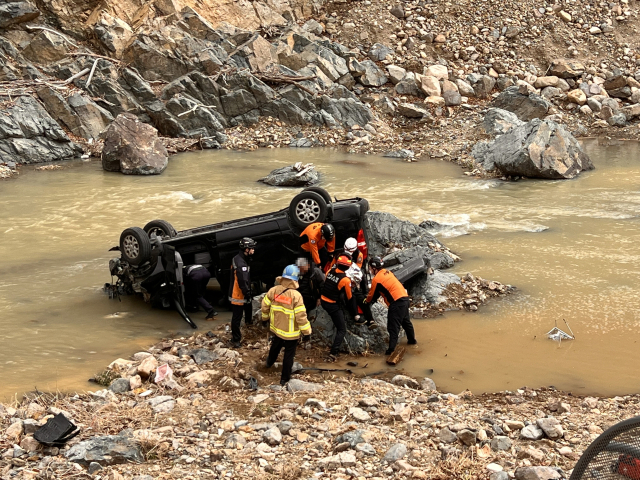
(307, 208)
(321, 191)
(135, 245)
(161, 228)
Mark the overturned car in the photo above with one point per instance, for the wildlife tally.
(152, 258)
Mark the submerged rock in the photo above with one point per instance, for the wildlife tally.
(297, 175)
(537, 149)
(133, 148)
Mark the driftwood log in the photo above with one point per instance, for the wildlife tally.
(397, 356)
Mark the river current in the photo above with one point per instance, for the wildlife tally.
(571, 248)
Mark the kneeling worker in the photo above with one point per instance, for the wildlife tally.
(337, 283)
(284, 306)
(396, 297)
(319, 240)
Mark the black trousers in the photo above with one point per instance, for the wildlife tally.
(310, 302)
(236, 319)
(195, 286)
(365, 307)
(289, 354)
(397, 317)
(337, 317)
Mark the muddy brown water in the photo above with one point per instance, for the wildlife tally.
(571, 248)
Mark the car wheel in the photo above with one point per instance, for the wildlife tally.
(307, 208)
(320, 191)
(135, 245)
(161, 228)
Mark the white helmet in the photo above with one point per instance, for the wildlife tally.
(351, 245)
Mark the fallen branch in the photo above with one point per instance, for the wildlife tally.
(240, 47)
(94, 55)
(290, 80)
(61, 35)
(81, 73)
(195, 108)
(93, 69)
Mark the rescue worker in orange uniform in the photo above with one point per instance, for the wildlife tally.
(386, 284)
(335, 285)
(240, 289)
(284, 306)
(319, 240)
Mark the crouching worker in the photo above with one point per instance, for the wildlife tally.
(284, 308)
(386, 284)
(196, 278)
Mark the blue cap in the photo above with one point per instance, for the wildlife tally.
(291, 272)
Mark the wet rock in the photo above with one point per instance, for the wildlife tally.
(120, 385)
(526, 107)
(133, 148)
(395, 453)
(402, 153)
(28, 134)
(379, 52)
(296, 385)
(551, 427)
(14, 13)
(537, 149)
(536, 473)
(563, 68)
(105, 450)
(297, 175)
(498, 121)
(300, 143)
(500, 443)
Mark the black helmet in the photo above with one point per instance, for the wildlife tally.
(328, 232)
(376, 262)
(247, 242)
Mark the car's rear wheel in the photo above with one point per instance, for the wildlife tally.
(306, 208)
(161, 228)
(320, 191)
(135, 245)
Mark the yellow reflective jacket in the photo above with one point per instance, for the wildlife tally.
(284, 306)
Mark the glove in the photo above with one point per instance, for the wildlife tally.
(365, 302)
(356, 318)
(306, 338)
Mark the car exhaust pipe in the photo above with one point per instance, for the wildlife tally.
(183, 314)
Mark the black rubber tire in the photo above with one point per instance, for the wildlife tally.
(162, 226)
(135, 245)
(307, 208)
(321, 191)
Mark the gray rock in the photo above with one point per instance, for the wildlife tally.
(551, 427)
(396, 74)
(483, 86)
(499, 476)
(162, 403)
(289, 176)
(408, 86)
(46, 47)
(566, 68)
(203, 355)
(500, 443)
(526, 107)
(402, 153)
(467, 437)
(411, 110)
(234, 441)
(28, 134)
(352, 437)
(301, 143)
(395, 453)
(537, 149)
(531, 432)
(397, 11)
(452, 98)
(285, 426)
(379, 52)
(93, 118)
(105, 450)
(498, 121)
(447, 436)
(594, 105)
(272, 436)
(347, 111)
(93, 468)
(133, 148)
(365, 448)
(372, 76)
(536, 473)
(385, 229)
(428, 385)
(13, 13)
(120, 385)
(405, 381)
(617, 120)
(296, 385)
(465, 88)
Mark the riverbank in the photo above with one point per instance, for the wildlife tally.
(206, 422)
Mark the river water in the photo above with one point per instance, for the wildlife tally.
(571, 248)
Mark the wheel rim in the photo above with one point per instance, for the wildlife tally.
(158, 231)
(131, 246)
(308, 210)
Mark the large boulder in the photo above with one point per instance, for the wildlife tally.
(13, 13)
(106, 450)
(297, 175)
(28, 134)
(133, 148)
(526, 106)
(498, 121)
(538, 149)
